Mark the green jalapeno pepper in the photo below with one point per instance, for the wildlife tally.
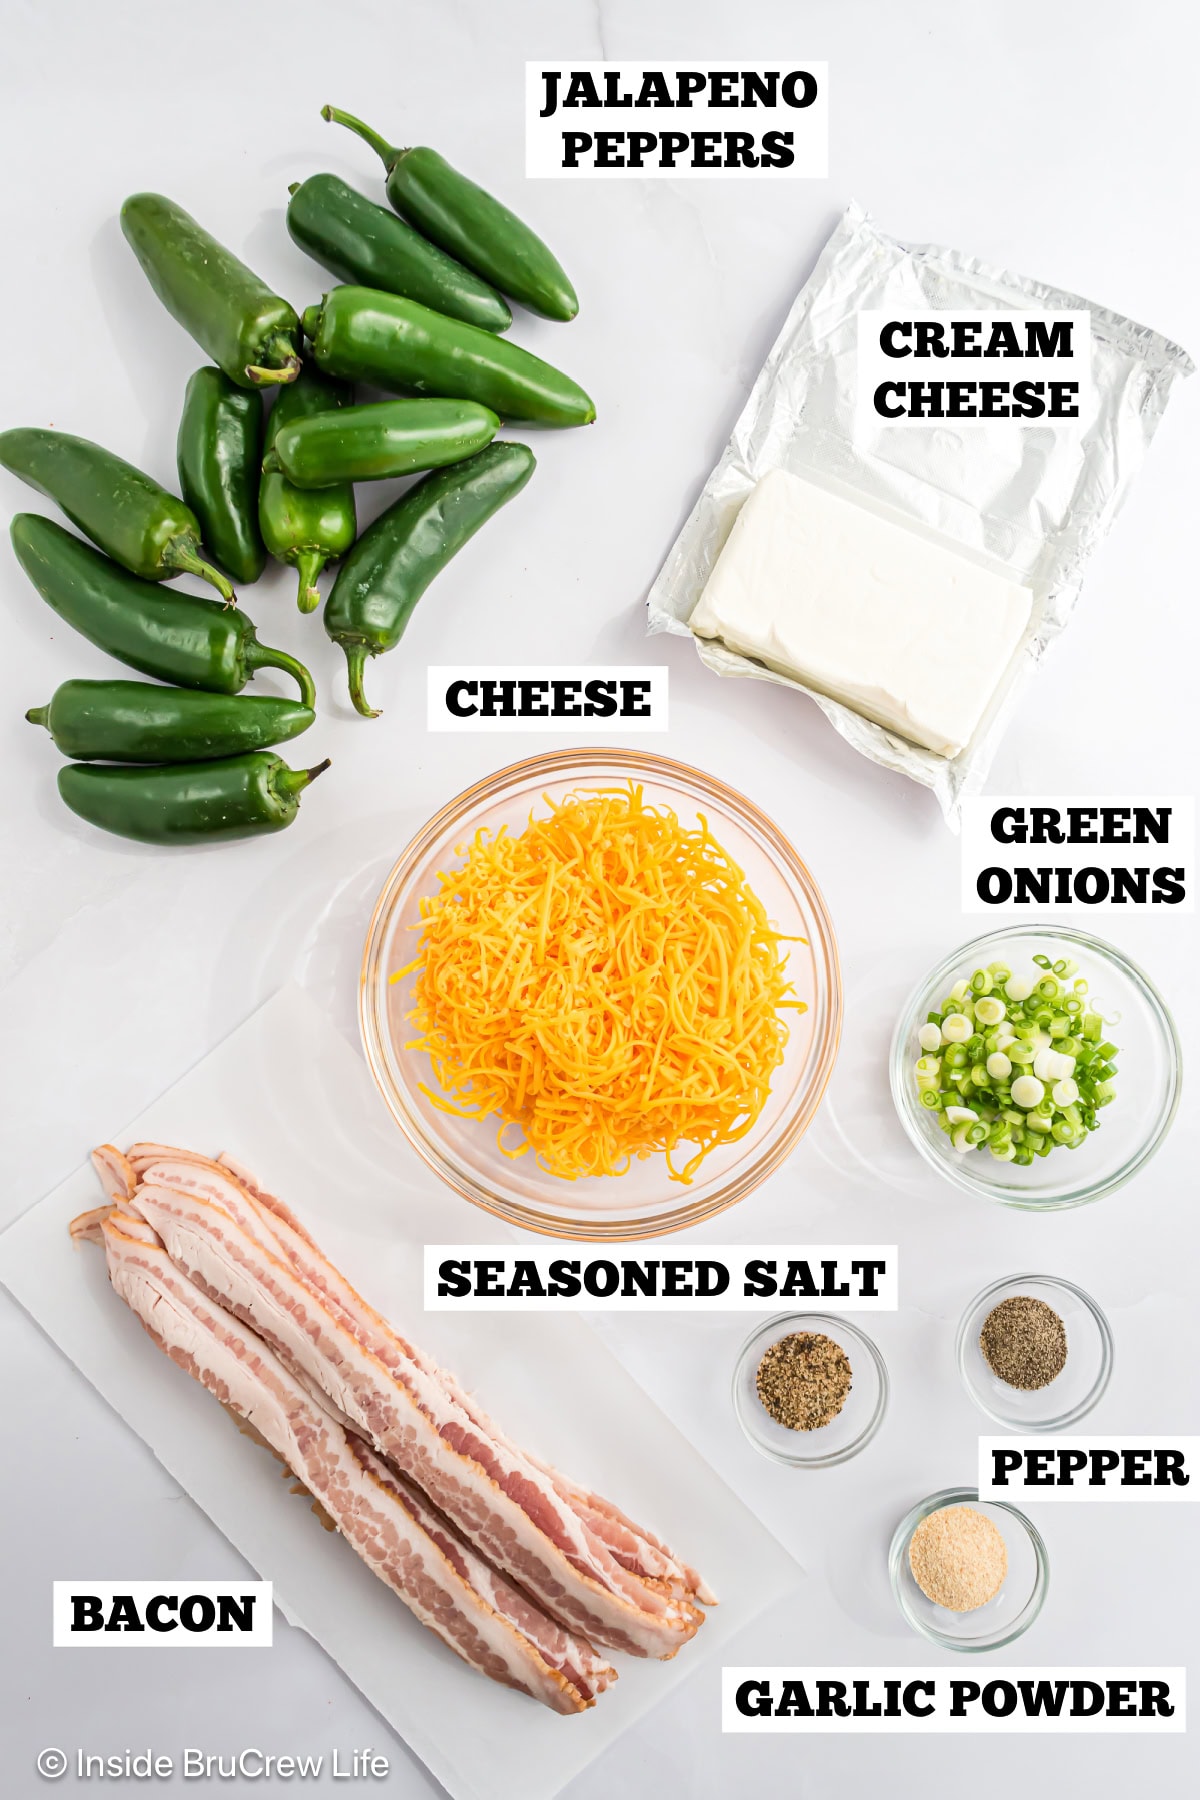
(468, 223)
(398, 556)
(305, 530)
(246, 329)
(182, 638)
(375, 443)
(360, 242)
(133, 519)
(363, 335)
(188, 803)
(218, 453)
(138, 722)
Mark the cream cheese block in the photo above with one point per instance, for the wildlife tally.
(905, 630)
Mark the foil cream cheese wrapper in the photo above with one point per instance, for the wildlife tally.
(1034, 501)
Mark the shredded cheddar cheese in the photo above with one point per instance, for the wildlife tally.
(606, 983)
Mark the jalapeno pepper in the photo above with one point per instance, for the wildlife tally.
(398, 556)
(360, 242)
(181, 638)
(218, 452)
(362, 335)
(146, 529)
(139, 722)
(375, 443)
(246, 329)
(467, 222)
(305, 530)
(188, 803)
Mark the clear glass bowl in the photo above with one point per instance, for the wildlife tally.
(1083, 1377)
(844, 1436)
(1004, 1618)
(645, 1202)
(1148, 1074)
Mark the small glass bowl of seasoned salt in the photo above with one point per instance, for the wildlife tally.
(1010, 1611)
(858, 1419)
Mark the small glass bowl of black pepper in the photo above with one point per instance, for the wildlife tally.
(862, 1405)
(1035, 1352)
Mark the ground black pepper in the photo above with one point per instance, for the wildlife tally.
(1024, 1342)
(803, 1380)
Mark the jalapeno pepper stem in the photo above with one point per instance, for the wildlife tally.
(356, 659)
(293, 781)
(261, 656)
(39, 715)
(388, 153)
(309, 564)
(180, 555)
(266, 374)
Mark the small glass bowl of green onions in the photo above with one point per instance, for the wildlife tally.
(1038, 1067)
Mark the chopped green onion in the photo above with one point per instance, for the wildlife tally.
(1015, 1065)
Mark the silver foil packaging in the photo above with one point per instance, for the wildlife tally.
(1031, 500)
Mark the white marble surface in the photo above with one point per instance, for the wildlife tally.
(1015, 134)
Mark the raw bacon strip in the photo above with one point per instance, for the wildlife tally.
(407, 1416)
(572, 1656)
(238, 1368)
(85, 1228)
(605, 1526)
(634, 1547)
(117, 1175)
(466, 1427)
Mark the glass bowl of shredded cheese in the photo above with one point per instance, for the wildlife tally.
(600, 995)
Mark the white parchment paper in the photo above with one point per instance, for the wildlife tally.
(288, 1096)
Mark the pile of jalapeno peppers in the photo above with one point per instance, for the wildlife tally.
(186, 757)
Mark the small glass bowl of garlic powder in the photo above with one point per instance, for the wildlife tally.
(968, 1574)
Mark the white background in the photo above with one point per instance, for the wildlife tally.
(1055, 142)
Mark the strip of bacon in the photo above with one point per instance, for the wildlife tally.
(235, 1365)
(572, 1656)
(635, 1548)
(497, 1498)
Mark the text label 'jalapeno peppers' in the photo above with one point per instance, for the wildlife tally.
(188, 803)
(218, 451)
(305, 530)
(363, 335)
(134, 520)
(140, 722)
(380, 442)
(398, 556)
(247, 330)
(181, 638)
(467, 222)
(366, 244)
